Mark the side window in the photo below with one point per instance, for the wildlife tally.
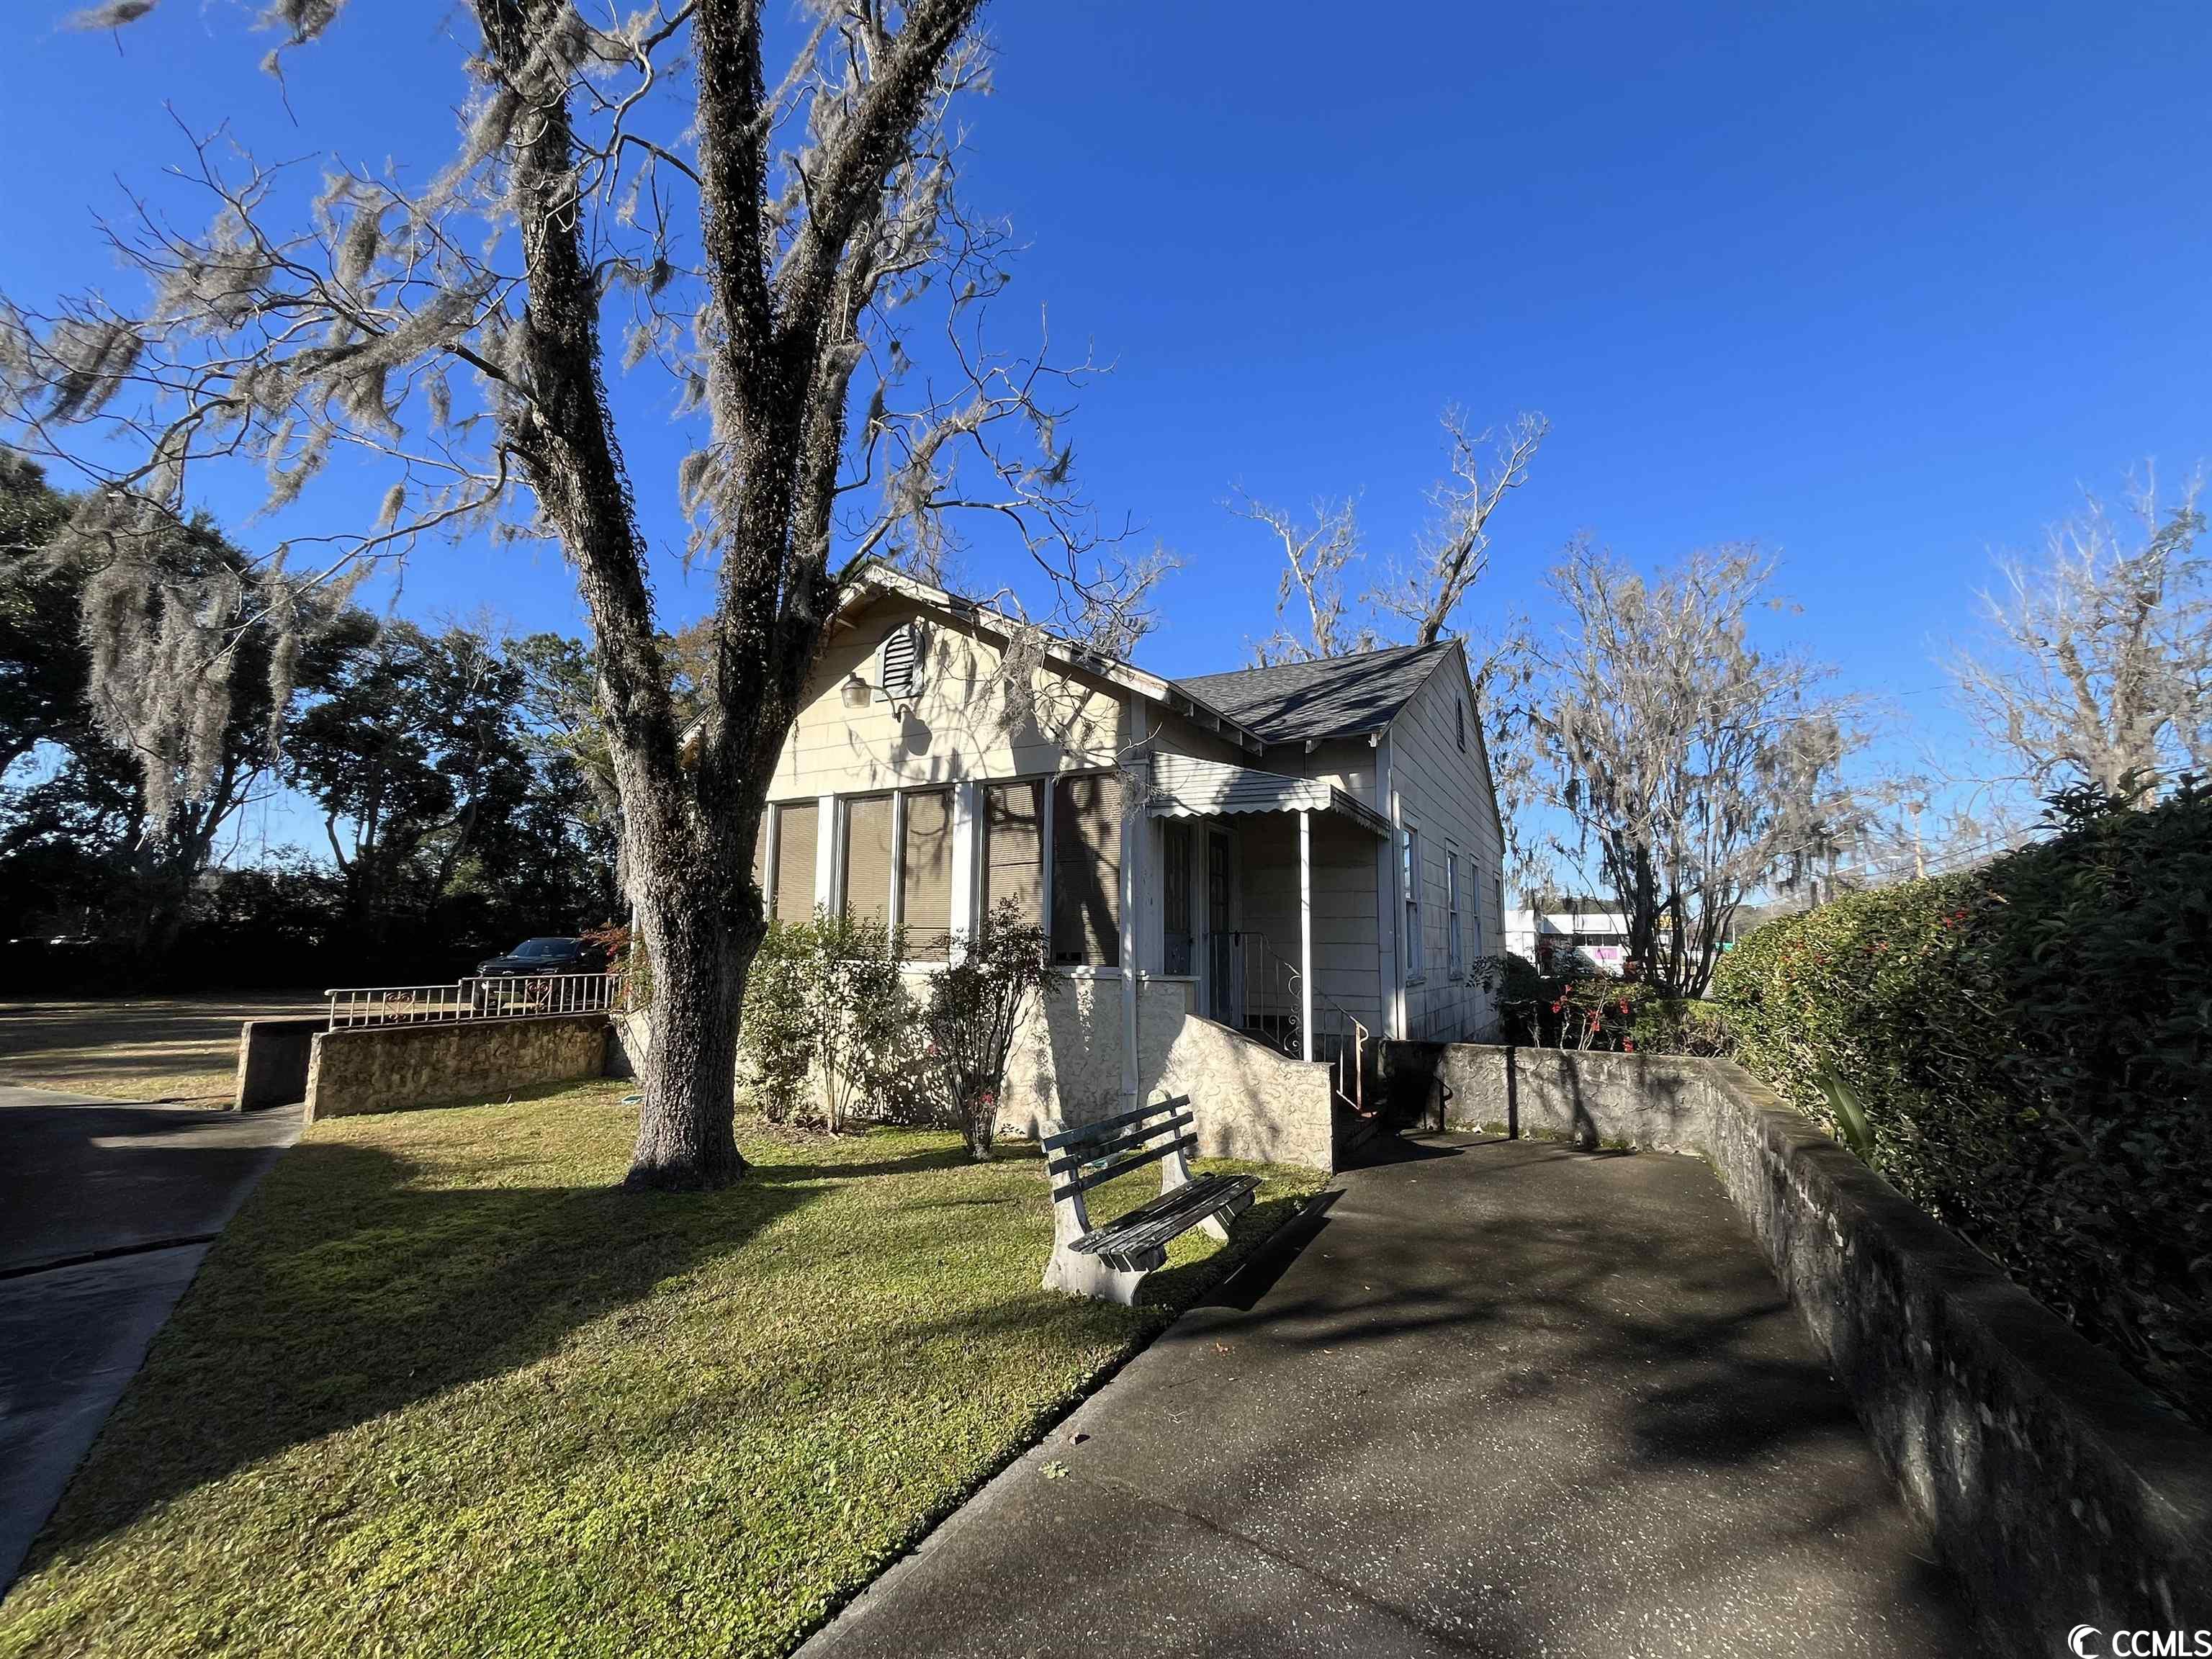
(1013, 850)
(1411, 854)
(926, 874)
(1456, 963)
(1459, 709)
(867, 859)
(1474, 912)
(795, 826)
(1087, 871)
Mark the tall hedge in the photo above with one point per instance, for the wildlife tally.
(2031, 1046)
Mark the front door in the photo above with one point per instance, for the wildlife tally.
(1220, 943)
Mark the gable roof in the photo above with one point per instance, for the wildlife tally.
(1331, 697)
(876, 577)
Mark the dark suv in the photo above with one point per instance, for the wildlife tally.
(546, 956)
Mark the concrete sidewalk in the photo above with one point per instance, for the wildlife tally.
(105, 1214)
(1508, 1399)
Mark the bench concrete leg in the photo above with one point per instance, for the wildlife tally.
(1078, 1274)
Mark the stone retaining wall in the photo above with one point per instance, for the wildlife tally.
(382, 1068)
(2058, 1489)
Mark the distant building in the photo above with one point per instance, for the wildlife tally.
(1570, 935)
(1586, 935)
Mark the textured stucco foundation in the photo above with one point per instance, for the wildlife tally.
(1249, 1101)
(1593, 1099)
(382, 1068)
(2058, 1489)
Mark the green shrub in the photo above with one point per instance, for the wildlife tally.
(775, 1034)
(974, 1004)
(2029, 1046)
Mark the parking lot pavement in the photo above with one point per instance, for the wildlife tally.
(105, 1213)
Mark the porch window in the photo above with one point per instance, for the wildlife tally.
(867, 859)
(1180, 954)
(1087, 871)
(926, 875)
(794, 861)
(1013, 848)
(1455, 962)
(1411, 854)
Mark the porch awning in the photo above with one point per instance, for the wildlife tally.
(1183, 787)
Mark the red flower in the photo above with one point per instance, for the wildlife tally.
(1628, 1044)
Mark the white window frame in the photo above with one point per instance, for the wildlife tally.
(1474, 913)
(843, 892)
(1455, 955)
(1409, 865)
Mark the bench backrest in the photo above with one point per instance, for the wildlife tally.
(1079, 1159)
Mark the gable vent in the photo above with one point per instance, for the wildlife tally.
(902, 657)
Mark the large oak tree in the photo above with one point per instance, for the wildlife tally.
(759, 209)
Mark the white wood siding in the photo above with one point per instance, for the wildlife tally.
(1447, 792)
(1344, 903)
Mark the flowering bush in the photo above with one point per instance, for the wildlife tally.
(2029, 1046)
(1601, 1011)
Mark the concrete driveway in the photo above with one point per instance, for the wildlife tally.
(1506, 1399)
(105, 1212)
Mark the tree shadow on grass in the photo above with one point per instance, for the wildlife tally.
(947, 1157)
(343, 1292)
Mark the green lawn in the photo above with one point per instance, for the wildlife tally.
(442, 1390)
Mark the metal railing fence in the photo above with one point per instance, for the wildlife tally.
(520, 996)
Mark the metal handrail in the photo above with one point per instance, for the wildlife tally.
(1339, 1033)
(483, 996)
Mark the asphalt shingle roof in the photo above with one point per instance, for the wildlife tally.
(1333, 697)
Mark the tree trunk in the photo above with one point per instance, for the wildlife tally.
(686, 1138)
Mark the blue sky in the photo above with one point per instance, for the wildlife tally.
(1878, 288)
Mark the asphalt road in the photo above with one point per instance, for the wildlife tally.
(105, 1213)
(1507, 1399)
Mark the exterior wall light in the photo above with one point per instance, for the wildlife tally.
(856, 692)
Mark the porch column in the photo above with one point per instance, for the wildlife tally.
(826, 838)
(1135, 815)
(965, 857)
(1305, 936)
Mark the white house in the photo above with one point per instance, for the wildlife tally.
(1291, 863)
(1570, 935)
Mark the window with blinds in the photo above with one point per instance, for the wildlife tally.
(1410, 876)
(1013, 840)
(926, 875)
(902, 660)
(1087, 871)
(794, 861)
(867, 859)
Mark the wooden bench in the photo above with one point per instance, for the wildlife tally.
(1108, 1262)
